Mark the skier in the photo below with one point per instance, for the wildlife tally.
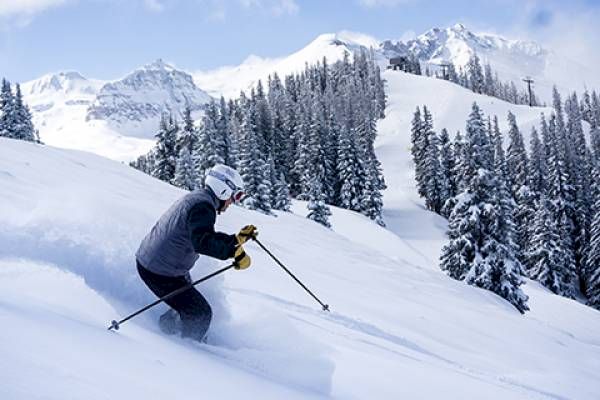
(169, 251)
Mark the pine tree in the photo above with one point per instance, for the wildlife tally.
(208, 148)
(537, 165)
(234, 129)
(516, 157)
(318, 210)
(252, 167)
(432, 175)
(560, 208)
(7, 111)
(185, 171)
(349, 170)
(489, 84)
(23, 128)
(592, 262)
(447, 165)
(421, 129)
(545, 253)
(476, 77)
(222, 138)
(281, 194)
(580, 180)
(164, 168)
(371, 199)
(187, 137)
(302, 165)
(481, 250)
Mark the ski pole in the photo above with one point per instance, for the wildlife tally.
(324, 306)
(116, 324)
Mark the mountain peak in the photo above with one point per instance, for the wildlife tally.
(55, 82)
(346, 38)
(144, 94)
(158, 64)
(459, 27)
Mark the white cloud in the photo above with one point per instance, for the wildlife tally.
(26, 7)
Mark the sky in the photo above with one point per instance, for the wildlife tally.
(106, 39)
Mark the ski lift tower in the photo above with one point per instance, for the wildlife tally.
(529, 82)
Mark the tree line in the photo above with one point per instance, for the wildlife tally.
(15, 117)
(514, 212)
(309, 136)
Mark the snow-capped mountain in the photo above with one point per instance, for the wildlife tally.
(68, 88)
(230, 80)
(137, 101)
(116, 119)
(511, 59)
(457, 44)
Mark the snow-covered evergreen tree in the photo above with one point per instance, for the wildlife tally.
(420, 132)
(476, 77)
(7, 111)
(432, 174)
(281, 194)
(252, 167)
(349, 170)
(23, 128)
(561, 207)
(545, 255)
(516, 157)
(185, 171)
(481, 250)
(165, 156)
(592, 262)
(208, 149)
(447, 165)
(537, 165)
(188, 136)
(318, 209)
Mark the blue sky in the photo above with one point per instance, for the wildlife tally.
(105, 39)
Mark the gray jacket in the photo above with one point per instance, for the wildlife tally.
(185, 229)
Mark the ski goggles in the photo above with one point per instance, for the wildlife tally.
(237, 196)
(237, 192)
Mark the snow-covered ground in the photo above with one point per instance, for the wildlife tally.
(71, 221)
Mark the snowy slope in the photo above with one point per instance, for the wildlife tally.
(450, 106)
(71, 221)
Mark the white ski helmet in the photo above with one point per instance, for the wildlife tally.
(225, 182)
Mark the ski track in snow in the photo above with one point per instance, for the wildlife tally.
(364, 328)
